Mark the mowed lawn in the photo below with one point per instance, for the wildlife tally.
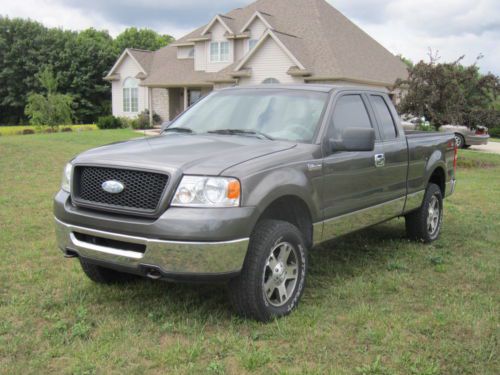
(375, 303)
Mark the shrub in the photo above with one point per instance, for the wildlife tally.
(66, 130)
(28, 131)
(109, 122)
(495, 132)
(50, 130)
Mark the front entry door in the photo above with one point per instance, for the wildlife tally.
(353, 193)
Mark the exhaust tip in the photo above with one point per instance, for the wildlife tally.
(153, 274)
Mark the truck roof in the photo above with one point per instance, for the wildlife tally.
(307, 87)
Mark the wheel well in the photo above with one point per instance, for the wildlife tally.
(294, 210)
(438, 178)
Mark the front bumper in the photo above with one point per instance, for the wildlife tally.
(159, 259)
(476, 140)
(450, 187)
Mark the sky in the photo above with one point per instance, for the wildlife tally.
(451, 28)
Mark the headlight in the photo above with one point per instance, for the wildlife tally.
(197, 191)
(66, 178)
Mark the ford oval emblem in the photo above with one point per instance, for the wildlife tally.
(113, 187)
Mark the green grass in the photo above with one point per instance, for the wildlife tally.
(375, 303)
(494, 140)
(18, 130)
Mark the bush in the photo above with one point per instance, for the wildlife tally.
(109, 122)
(28, 131)
(66, 130)
(495, 132)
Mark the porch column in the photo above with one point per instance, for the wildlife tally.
(150, 105)
(185, 98)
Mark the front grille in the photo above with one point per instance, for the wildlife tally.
(142, 192)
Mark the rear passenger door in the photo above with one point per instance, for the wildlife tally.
(394, 149)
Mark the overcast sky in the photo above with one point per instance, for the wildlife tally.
(407, 27)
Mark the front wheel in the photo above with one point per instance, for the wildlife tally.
(273, 277)
(425, 223)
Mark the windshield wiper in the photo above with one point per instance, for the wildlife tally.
(242, 132)
(178, 130)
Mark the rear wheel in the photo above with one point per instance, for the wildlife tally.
(425, 223)
(104, 275)
(460, 140)
(272, 280)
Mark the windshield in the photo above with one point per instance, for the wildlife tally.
(291, 115)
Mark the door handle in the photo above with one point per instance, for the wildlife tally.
(379, 160)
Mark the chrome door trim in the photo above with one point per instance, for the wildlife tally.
(353, 221)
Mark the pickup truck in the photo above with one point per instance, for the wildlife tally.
(244, 183)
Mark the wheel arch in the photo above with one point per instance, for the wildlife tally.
(292, 209)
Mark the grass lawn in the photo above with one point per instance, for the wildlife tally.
(374, 304)
(494, 140)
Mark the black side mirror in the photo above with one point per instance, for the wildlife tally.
(354, 139)
(165, 125)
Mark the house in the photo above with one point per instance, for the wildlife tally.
(268, 41)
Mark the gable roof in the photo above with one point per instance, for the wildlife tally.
(223, 20)
(141, 58)
(320, 40)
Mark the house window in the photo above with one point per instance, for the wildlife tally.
(219, 51)
(252, 43)
(191, 53)
(270, 80)
(130, 96)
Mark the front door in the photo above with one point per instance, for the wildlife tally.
(353, 181)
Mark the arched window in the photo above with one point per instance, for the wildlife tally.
(130, 95)
(270, 80)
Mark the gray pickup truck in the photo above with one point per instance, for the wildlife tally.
(243, 184)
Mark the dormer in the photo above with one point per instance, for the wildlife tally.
(255, 28)
(219, 44)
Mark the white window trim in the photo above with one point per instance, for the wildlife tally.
(218, 58)
(127, 99)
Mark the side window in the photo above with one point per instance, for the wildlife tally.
(349, 112)
(387, 126)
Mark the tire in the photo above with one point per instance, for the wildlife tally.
(424, 224)
(104, 275)
(460, 140)
(273, 277)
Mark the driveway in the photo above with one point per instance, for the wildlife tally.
(491, 147)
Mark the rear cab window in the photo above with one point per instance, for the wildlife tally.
(387, 125)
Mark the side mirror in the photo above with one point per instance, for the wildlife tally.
(354, 139)
(165, 125)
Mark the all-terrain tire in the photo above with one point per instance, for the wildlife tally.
(266, 269)
(424, 224)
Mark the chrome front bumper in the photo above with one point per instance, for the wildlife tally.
(168, 258)
(450, 187)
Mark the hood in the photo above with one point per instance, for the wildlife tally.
(183, 153)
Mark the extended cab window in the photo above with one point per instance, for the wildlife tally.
(387, 126)
(349, 112)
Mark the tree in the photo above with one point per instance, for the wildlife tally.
(52, 109)
(450, 93)
(141, 39)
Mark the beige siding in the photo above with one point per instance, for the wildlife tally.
(200, 57)
(269, 61)
(128, 68)
(240, 47)
(257, 28)
(161, 103)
